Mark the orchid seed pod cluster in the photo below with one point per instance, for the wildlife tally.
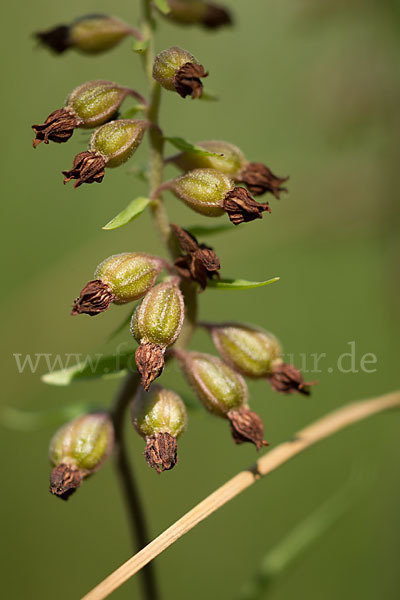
(215, 179)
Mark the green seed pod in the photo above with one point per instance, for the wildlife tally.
(246, 349)
(78, 449)
(178, 71)
(203, 190)
(95, 102)
(90, 34)
(110, 146)
(197, 12)
(94, 34)
(257, 354)
(224, 393)
(230, 160)
(159, 416)
(156, 324)
(117, 141)
(120, 278)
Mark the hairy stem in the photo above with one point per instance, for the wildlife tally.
(134, 506)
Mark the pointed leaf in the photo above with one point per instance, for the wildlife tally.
(131, 212)
(140, 46)
(94, 367)
(186, 146)
(238, 284)
(206, 230)
(131, 112)
(25, 420)
(162, 6)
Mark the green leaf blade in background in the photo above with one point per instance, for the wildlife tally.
(131, 212)
(238, 284)
(162, 6)
(186, 146)
(98, 366)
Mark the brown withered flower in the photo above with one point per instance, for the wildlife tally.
(216, 16)
(88, 167)
(58, 127)
(246, 426)
(241, 207)
(64, 480)
(57, 38)
(150, 362)
(95, 298)
(199, 262)
(187, 80)
(286, 379)
(161, 451)
(259, 179)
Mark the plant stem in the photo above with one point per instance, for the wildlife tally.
(314, 433)
(134, 506)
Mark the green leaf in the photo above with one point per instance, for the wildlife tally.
(131, 112)
(140, 46)
(131, 212)
(209, 96)
(186, 146)
(162, 5)
(24, 420)
(205, 230)
(99, 366)
(238, 284)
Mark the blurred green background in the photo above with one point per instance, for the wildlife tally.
(312, 90)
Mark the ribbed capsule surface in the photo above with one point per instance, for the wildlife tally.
(93, 34)
(230, 159)
(247, 349)
(203, 190)
(158, 318)
(167, 63)
(129, 274)
(118, 140)
(95, 102)
(218, 386)
(85, 442)
(158, 411)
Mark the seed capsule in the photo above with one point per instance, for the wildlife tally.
(258, 178)
(156, 324)
(121, 278)
(90, 34)
(110, 146)
(178, 71)
(89, 105)
(212, 193)
(159, 416)
(196, 12)
(78, 449)
(224, 393)
(257, 354)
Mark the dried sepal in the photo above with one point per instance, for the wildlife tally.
(241, 207)
(58, 127)
(150, 362)
(161, 451)
(287, 379)
(65, 479)
(87, 167)
(199, 262)
(94, 298)
(187, 80)
(57, 38)
(247, 426)
(259, 180)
